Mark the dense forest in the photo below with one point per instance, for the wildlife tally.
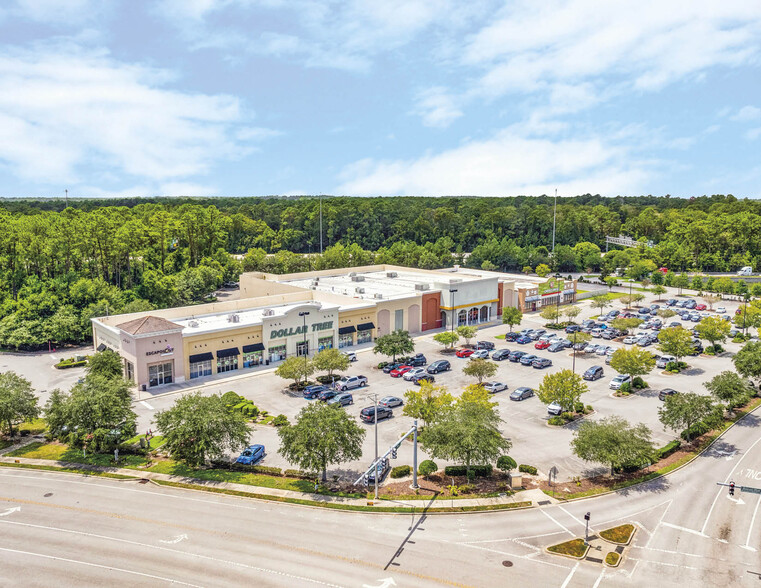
(60, 266)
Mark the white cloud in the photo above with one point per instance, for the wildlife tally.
(437, 107)
(747, 113)
(510, 163)
(753, 134)
(67, 115)
(54, 11)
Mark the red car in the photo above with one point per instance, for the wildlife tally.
(541, 344)
(663, 270)
(700, 307)
(400, 371)
(464, 352)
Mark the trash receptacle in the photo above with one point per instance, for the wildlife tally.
(266, 362)
(144, 387)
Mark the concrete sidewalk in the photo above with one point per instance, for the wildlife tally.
(535, 496)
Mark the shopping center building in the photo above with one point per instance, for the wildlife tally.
(278, 316)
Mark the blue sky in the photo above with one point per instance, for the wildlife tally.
(361, 97)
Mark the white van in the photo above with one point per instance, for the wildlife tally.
(745, 271)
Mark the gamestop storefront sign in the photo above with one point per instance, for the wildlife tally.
(168, 350)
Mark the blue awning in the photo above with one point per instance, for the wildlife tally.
(533, 298)
(231, 352)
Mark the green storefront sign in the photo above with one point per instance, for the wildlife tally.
(278, 333)
(551, 286)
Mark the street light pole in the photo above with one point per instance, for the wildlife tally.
(375, 473)
(454, 310)
(414, 457)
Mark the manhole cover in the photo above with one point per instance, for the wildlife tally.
(507, 563)
(48, 494)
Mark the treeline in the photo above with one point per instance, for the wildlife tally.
(60, 266)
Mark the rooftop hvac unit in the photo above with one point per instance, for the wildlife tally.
(314, 287)
(359, 290)
(392, 275)
(378, 296)
(352, 274)
(193, 324)
(356, 278)
(233, 318)
(421, 286)
(268, 312)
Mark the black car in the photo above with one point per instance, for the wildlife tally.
(580, 346)
(314, 391)
(511, 336)
(515, 356)
(484, 345)
(368, 414)
(418, 360)
(420, 378)
(500, 354)
(441, 365)
(387, 369)
(381, 470)
(665, 393)
(326, 395)
(573, 328)
(594, 373)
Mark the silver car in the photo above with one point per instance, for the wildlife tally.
(603, 349)
(412, 373)
(390, 401)
(494, 387)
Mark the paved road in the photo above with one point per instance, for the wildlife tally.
(65, 529)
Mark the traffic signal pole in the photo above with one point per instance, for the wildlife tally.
(732, 487)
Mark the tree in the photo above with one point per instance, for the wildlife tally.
(658, 290)
(427, 467)
(296, 369)
(711, 299)
(563, 387)
(511, 316)
(634, 361)
(637, 297)
(105, 363)
(675, 341)
(506, 464)
(543, 270)
(681, 411)
(578, 337)
(625, 324)
(730, 388)
(96, 413)
(427, 403)
(725, 285)
(601, 301)
(467, 332)
(748, 360)
(201, 428)
(571, 311)
(613, 441)
(467, 433)
(681, 281)
(395, 343)
(713, 329)
(626, 300)
(550, 314)
(17, 401)
(611, 281)
(481, 369)
(446, 338)
(331, 360)
(323, 434)
(666, 313)
(527, 269)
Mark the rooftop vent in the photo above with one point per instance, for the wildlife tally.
(378, 296)
(233, 318)
(392, 275)
(422, 286)
(356, 278)
(193, 324)
(268, 312)
(359, 290)
(352, 274)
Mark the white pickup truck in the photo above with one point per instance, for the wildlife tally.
(350, 382)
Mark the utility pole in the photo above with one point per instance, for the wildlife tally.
(67, 198)
(320, 224)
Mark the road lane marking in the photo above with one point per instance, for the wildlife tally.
(94, 565)
(599, 578)
(633, 514)
(175, 540)
(505, 553)
(10, 511)
(752, 522)
(146, 405)
(556, 522)
(685, 529)
(569, 576)
(663, 563)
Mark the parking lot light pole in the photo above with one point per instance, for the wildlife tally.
(375, 418)
(414, 457)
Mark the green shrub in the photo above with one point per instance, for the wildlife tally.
(480, 471)
(527, 469)
(638, 383)
(427, 467)
(625, 388)
(588, 408)
(668, 449)
(72, 362)
(695, 430)
(506, 463)
(231, 398)
(567, 416)
(382, 364)
(280, 420)
(557, 421)
(401, 471)
(578, 407)
(298, 474)
(270, 471)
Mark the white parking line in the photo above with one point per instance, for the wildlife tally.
(557, 523)
(752, 522)
(146, 405)
(569, 576)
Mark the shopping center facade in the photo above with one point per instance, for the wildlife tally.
(278, 316)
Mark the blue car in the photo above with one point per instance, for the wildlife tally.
(523, 339)
(314, 391)
(251, 455)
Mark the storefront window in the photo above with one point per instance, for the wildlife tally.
(325, 343)
(364, 337)
(160, 374)
(345, 340)
(130, 371)
(200, 368)
(302, 348)
(252, 359)
(227, 364)
(277, 353)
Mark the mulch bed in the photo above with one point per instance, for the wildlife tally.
(438, 484)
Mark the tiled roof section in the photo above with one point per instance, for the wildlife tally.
(147, 325)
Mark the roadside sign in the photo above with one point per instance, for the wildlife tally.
(750, 489)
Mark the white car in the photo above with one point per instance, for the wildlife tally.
(630, 340)
(663, 360)
(494, 387)
(480, 354)
(620, 379)
(413, 373)
(721, 310)
(351, 355)
(549, 337)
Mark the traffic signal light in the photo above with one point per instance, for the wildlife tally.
(393, 453)
(586, 517)
(731, 488)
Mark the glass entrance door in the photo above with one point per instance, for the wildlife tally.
(302, 348)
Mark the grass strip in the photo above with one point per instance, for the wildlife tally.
(620, 534)
(573, 548)
(30, 466)
(612, 558)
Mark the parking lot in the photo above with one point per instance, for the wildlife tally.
(525, 422)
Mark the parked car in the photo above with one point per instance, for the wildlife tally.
(594, 373)
(521, 393)
(630, 340)
(515, 356)
(528, 359)
(666, 392)
(591, 348)
(555, 347)
(644, 341)
(537, 333)
(381, 470)
(620, 379)
(400, 371)
(572, 328)
(314, 391)
(417, 360)
(671, 302)
(420, 378)
(480, 354)
(344, 399)
(588, 323)
(494, 387)
(610, 334)
(603, 349)
(597, 332)
(511, 336)
(523, 339)
(541, 345)
(441, 365)
(368, 414)
(541, 363)
(580, 346)
(392, 366)
(464, 352)
(488, 345)
(350, 382)
(700, 307)
(663, 360)
(351, 355)
(390, 401)
(549, 337)
(500, 354)
(412, 373)
(326, 395)
(251, 455)
(526, 332)
(721, 310)
(555, 409)
(691, 304)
